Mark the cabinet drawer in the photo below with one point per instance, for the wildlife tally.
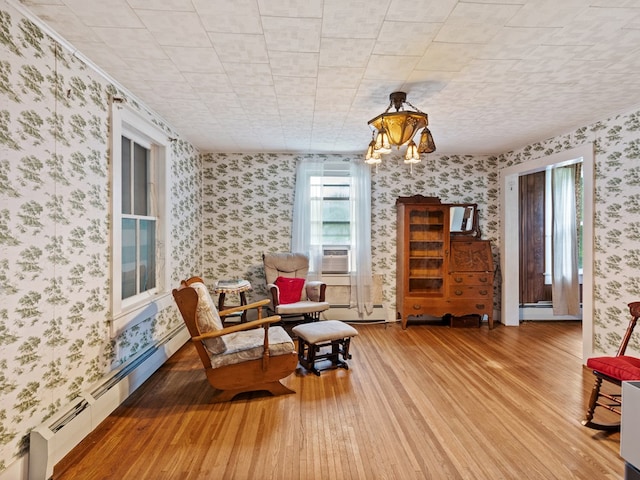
(416, 307)
(470, 291)
(425, 306)
(471, 306)
(470, 279)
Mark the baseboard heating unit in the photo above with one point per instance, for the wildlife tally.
(347, 314)
(51, 441)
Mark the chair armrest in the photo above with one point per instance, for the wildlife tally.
(241, 308)
(316, 290)
(275, 294)
(239, 327)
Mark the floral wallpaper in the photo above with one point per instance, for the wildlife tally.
(616, 226)
(226, 209)
(247, 211)
(255, 215)
(55, 335)
(248, 208)
(257, 191)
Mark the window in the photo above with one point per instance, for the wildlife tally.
(333, 226)
(140, 234)
(139, 219)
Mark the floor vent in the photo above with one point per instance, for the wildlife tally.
(51, 441)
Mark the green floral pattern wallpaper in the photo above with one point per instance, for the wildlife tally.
(55, 335)
(248, 208)
(616, 223)
(227, 209)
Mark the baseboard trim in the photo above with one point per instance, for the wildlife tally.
(55, 438)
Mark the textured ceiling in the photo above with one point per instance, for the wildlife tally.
(307, 75)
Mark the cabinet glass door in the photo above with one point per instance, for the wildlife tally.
(426, 251)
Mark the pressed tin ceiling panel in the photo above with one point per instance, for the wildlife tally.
(306, 75)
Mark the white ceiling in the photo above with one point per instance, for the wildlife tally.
(307, 75)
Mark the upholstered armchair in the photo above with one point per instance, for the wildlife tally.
(292, 295)
(251, 356)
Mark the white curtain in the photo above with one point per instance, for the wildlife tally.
(307, 205)
(306, 232)
(361, 274)
(565, 283)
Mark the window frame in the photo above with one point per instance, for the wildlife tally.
(133, 310)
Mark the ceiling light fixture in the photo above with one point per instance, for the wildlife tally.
(397, 128)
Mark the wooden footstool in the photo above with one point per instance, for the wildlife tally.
(329, 333)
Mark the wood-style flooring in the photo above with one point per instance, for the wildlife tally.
(428, 402)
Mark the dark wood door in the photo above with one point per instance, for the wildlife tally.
(532, 213)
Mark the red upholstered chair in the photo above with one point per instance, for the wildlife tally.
(615, 370)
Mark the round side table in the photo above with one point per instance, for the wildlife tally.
(239, 286)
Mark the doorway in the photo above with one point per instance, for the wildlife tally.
(510, 235)
(538, 207)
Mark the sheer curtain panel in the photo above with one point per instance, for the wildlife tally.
(305, 208)
(314, 227)
(565, 282)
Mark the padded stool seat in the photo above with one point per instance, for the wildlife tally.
(329, 333)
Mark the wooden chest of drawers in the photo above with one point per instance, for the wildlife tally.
(471, 278)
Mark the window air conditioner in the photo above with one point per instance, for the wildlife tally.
(335, 260)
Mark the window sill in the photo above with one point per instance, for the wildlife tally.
(139, 313)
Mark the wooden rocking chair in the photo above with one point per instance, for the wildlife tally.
(240, 358)
(614, 370)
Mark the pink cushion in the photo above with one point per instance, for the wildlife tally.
(290, 289)
(621, 368)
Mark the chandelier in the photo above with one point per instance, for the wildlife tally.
(397, 128)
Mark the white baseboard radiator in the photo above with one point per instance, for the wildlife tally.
(51, 441)
(346, 314)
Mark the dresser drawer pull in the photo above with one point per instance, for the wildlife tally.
(483, 279)
(483, 292)
(480, 306)
(458, 292)
(457, 279)
(417, 307)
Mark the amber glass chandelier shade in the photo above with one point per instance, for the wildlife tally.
(427, 145)
(382, 143)
(400, 126)
(372, 156)
(412, 155)
(370, 150)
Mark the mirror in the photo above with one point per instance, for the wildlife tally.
(464, 219)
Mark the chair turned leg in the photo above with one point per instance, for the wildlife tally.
(593, 403)
(595, 392)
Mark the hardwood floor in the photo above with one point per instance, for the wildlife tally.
(428, 402)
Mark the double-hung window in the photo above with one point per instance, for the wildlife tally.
(332, 228)
(139, 219)
(140, 226)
